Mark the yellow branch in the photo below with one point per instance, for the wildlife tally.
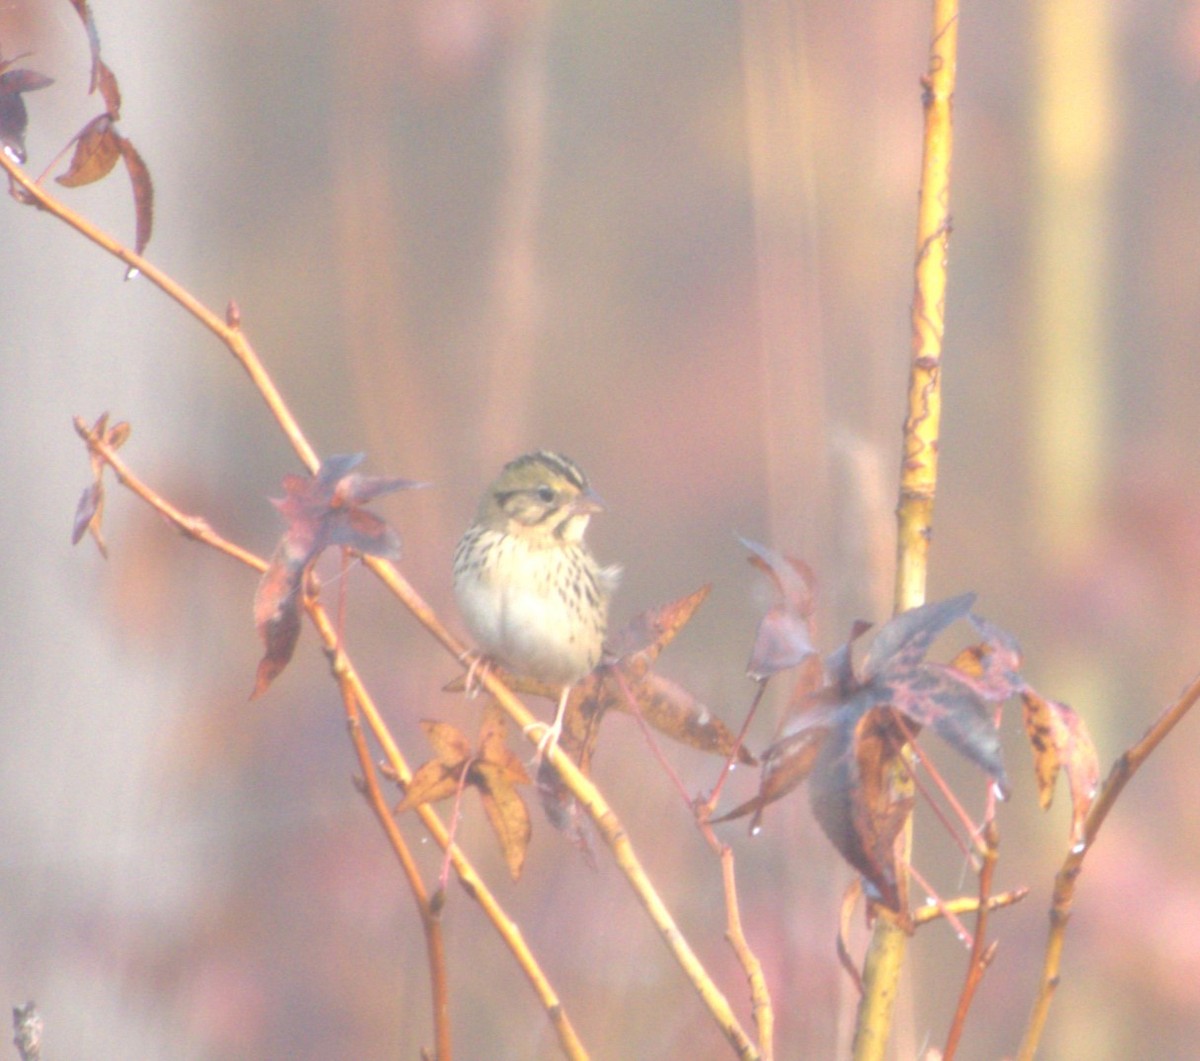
(918, 472)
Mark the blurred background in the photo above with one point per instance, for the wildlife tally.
(674, 240)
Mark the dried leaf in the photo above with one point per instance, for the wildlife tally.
(14, 118)
(143, 193)
(449, 745)
(785, 765)
(494, 749)
(110, 92)
(89, 25)
(854, 803)
(320, 510)
(677, 714)
(562, 810)
(904, 639)
(506, 812)
(277, 617)
(494, 770)
(1059, 738)
(784, 637)
(844, 737)
(97, 149)
(935, 696)
(89, 512)
(433, 781)
(647, 634)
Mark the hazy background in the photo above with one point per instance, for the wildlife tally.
(674, 240)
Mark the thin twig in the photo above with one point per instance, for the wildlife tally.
(714, 796)
(607, 823)
(968, 904)
(472, 882)
(981, 950)
(1063, 899)
(435, 946)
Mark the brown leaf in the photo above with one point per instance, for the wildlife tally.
(449, 744)
(785, 765)
(562, 810)
(89, 512)
(14, 118)
(321, 510)
(677, 714)
(647, 634)
(784, 637)
(854, 803)
(97, 149)
(143, 193)
(433, 781)
(1059, 738)
(277, 618)
(89, 25)
(494, 749)
(110, 92)
(506, 812)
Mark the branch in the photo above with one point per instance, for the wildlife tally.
(918, 471)
(227, 329)
(589, 797)
(1063, 899)
(981, 951)
(348, 679)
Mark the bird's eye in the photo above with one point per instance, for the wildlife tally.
(545, 494)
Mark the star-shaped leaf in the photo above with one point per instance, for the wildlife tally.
(493, 770)
(321, 510)
(843, 736)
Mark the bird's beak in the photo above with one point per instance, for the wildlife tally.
(587, 504)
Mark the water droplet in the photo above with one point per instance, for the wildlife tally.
(930, 901)
(132, 273)
(1079, 848)
(962, 938)
(755, 830)
(732, 767)
(13, 154)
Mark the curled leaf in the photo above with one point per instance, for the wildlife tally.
(1059, 738)
(14, 118)
(854, 803)
(784, 637)
(143, 193)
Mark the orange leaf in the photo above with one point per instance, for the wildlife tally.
(506, 812)
(97, 149)
(1059, 738)
(449, 745)
(433, 781)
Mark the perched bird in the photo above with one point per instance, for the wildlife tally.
(527, 585)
